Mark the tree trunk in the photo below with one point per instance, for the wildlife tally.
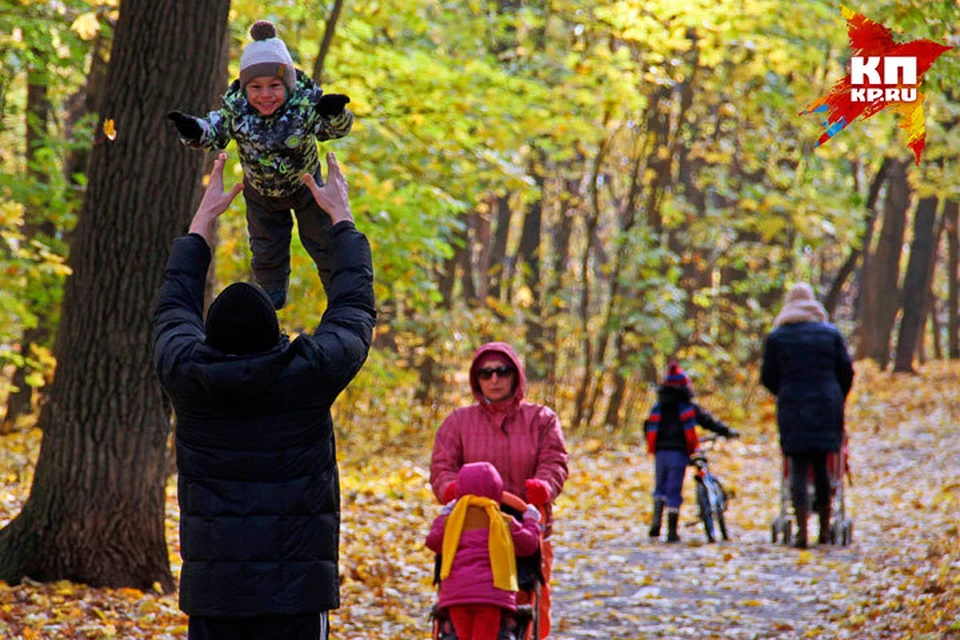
(83, 103)
(96, 510)
(881, 290)
(581, 417)
(950, 213)
(658, 172)
(484, 240)
(528, 262)
(328, 32)
(467, 280)
(499, 272)
(935, 328)
(37, 115)
(916, 284)
(617, 395)
(570, 205)
(833, 296)
(931, 298)
(429, 366)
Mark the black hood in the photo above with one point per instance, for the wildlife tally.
(674, 395)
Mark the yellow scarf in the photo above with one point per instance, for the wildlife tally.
(503, 561)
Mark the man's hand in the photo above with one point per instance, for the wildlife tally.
(215, 201)
(187, 126)
(332, 197)
(331, 104)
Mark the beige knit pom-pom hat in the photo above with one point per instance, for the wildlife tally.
(267, 55)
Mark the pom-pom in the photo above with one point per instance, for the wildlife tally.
(673, 367)
(263, 30)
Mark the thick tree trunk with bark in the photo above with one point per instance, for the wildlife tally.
(81, 104)
(96, 510)
(916, 284)
(881, 293)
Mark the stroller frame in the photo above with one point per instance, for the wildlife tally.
(841, 527)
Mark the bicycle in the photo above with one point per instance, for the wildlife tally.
(711, 496)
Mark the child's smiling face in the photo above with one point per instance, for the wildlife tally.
(266, 94)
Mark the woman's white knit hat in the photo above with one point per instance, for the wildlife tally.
(267, 55)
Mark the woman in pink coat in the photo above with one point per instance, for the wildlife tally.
(521, 439)
(479, 545)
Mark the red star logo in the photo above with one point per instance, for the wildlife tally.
(847, 102)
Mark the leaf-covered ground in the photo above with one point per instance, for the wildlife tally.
(899, 579)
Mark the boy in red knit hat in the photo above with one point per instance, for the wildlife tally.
(671, 432)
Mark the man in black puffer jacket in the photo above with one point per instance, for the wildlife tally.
(258, 482)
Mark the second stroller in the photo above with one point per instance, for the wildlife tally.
(478, 549)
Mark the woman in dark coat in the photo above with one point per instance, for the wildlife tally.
(807, 367)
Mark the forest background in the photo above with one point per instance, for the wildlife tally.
(605, 185)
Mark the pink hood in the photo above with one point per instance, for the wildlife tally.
(505, 350)
(480, 479)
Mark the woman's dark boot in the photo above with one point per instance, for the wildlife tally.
(657, 519)
(826, 534)
(800, 542)
(673, 519)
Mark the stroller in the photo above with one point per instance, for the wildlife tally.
(841, 527)
(525, 623)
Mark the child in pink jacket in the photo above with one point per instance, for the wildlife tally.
(479, 545)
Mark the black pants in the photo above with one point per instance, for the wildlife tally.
(271, 227)
(310, 626)
(800, 471)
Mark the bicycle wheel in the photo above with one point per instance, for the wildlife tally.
(721, 506)
(703, 502)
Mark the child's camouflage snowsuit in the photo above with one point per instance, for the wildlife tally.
(276, 150)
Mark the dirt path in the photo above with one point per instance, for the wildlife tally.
(899, 579)
(745, 588)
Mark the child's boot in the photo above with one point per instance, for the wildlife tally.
(278, 296)
(657, 518)
(801, 540)
(673, 520)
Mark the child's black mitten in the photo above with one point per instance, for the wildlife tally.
(187, 126)
(331, 104)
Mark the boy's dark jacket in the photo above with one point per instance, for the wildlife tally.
(672, 425)
(258, 482)
(275, 150)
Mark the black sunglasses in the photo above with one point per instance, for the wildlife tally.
(487, 372)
